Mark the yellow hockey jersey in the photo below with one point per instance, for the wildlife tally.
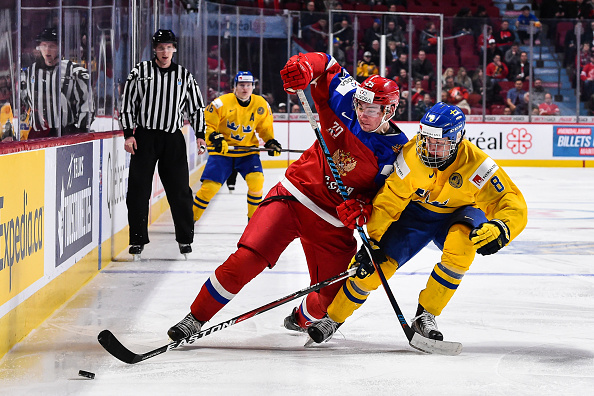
(473, 179)
(239, 124)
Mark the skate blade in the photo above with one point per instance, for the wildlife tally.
(136, 257)
(428, 345)
(309, 343)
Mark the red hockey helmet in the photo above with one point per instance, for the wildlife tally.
(378, 90)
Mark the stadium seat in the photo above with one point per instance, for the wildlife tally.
(562, 29)
(506, 85)
(469, 60)
(496, 109)
(474, 99)
(451, 60)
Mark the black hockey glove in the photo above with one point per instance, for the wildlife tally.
(218, 141)
(365, 266)
(274, 147)
(490, 237)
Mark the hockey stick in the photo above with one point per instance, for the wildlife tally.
(119, 351)
(250, 148)
(415, 340)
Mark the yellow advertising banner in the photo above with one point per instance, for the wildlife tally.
(22, 186)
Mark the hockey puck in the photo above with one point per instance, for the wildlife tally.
(86, 374)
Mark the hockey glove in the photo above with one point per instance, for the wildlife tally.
(274, 147)
(297, 73)
(219, 142)
(490, 237)
(365, 265)
(354, 212)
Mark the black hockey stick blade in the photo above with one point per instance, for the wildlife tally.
(115, 347)
(120, 352)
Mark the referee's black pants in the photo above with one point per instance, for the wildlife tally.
(169, 151)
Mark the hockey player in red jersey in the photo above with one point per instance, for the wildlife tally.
(306, 204)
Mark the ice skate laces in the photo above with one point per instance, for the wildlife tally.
(189, 325)
(323, 330)
(425, 323)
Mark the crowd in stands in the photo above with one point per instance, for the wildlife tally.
(473, 31)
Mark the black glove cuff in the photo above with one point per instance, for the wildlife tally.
(128, 133)
(200, 135)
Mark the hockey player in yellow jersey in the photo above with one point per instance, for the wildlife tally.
(233, 120)
(443, 189)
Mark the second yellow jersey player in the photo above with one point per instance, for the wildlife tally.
(443, 190)
(233, 123)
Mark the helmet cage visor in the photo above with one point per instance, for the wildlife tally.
(435, 147)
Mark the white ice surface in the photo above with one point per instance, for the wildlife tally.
(525, 317)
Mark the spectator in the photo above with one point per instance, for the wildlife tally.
(515, 98)
(337, 52)
(345, 33)
(402, 110)
(422, 67)
(418, 92)
(464, 80)
(366, 67)
(214, 62)
(520, 69)
(402, 80)
(477, 81)
(457, 95)
(505, 37)
(528, 105)
(524, 23)
(428, 39)
(462, 22)
(497, 70)
(395, 33)
(507, 111)
(513, 54)
(309, 16)
(492, 51)
(391, 53)
(548, 107)
(585, 9)
(538, 92)
(374, 32)
(480, 42)
(587, 76)
(318, 38)
(295, 108)
(375, 52)
(282, 108)
(397, 65)
(449, 72)
(588, 35)
(554, 12)
(422, 107)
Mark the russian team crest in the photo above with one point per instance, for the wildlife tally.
(344, 162)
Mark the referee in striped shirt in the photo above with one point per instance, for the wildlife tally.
(155, 95)
(54, 88)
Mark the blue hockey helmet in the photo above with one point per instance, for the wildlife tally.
(243, 76)
(440, 132)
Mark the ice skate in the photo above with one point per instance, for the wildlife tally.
(424, 324)
(187, 327)
(185, 249)
(290, 322)
(135, 251)
(322, 330)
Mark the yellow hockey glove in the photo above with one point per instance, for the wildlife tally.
(219, 142)
(490, 237)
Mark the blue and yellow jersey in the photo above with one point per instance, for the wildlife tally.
(473, 179)
(239, 124)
